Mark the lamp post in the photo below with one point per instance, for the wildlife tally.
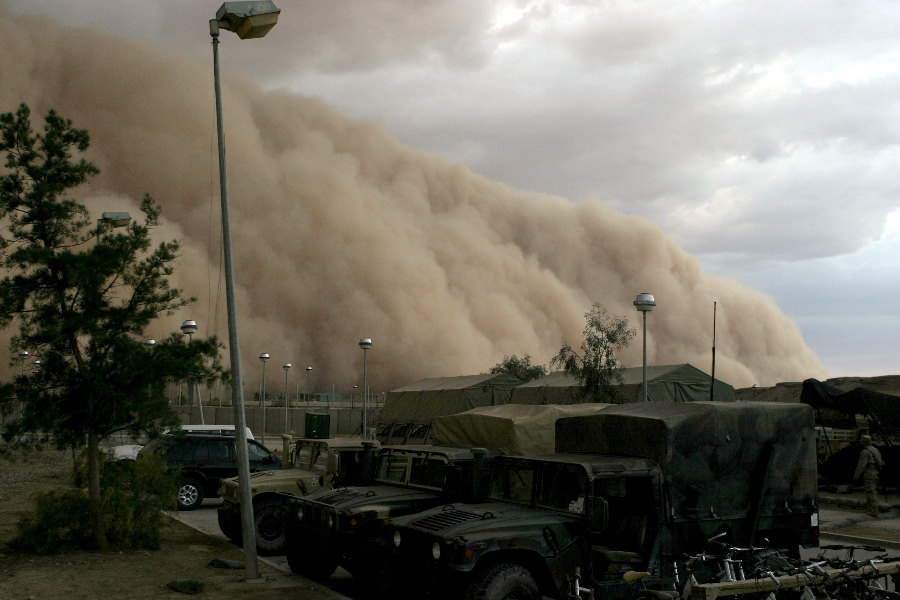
(365, 344)
(189, 328)
(286, 367)
(23, 356)
(263, 358)
(247, 20)
(645, 303)
(355, 387)
(308, 371)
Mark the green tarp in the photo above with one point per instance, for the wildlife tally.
(723, 459)
(674, 383)
(525, 430)
(409, 411)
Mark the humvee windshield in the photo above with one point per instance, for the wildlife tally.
(549, 485)
(313, 457)
(425, 470)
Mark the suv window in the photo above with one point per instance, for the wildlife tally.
(218, 450)
(256, 453)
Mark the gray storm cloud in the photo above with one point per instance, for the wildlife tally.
(340, 232)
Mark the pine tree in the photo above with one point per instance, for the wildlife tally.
(80, 296)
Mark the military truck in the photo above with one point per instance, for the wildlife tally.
(314, 464)
(332, 528)
(634, 488)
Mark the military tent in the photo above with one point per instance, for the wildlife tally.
(678, 383)
(409, 411)
(522, 429)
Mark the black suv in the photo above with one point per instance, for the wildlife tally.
(205, 460)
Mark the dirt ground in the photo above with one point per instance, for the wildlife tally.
(132, 575)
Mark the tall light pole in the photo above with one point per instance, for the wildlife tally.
(365, 344)
(263, 358)
(308, 371)
(247, 20)
(286, 367)
(23, 356)
(645, 303)
(189, 328)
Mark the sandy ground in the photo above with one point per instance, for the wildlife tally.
(132, 575)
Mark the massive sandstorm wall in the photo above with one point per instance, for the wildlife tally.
(340, 232)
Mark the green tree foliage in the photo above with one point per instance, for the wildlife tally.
(81, 296)
(595, 367)
(519, 367)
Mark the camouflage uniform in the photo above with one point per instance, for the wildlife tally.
(869, 466)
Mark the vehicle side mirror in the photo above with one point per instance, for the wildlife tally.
(601, 514)
(269, 459)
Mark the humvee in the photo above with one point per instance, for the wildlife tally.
(634, 488)
(331, 528)
(314, 464)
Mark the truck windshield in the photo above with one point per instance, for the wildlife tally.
(392, 467)
(426, 470)
(561, 487)
(512, 483)
(313, 457)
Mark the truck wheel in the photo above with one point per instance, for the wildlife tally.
(504, 581)
(190, 494)
(230, 527)
(270, 517)
(311, 561)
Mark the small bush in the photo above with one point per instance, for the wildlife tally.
(133, 495)
(60, 522)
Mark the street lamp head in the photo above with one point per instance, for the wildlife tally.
(247, 19)
(264, 357)
(116, 219)
(23, 354)
(308, 369)
(286, 366)
(365, 343)
(189, 327)
(644, 302)
(150, 343)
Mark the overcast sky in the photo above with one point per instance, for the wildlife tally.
(761, 135)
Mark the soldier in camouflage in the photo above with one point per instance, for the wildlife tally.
(868, 467)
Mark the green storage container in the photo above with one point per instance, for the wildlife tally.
(318, 425)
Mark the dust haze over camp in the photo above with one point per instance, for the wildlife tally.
(341, 232)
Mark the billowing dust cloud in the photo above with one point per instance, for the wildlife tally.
(339, 232)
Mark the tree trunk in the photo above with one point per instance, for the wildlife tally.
(98, 522)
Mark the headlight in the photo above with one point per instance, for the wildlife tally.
(396, 539)
(435, 551)
(300, 512)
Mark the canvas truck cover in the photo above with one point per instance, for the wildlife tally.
(884, 408)
(522, 429)
(729, 459)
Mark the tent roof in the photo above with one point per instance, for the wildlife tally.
(630, 376)
(460, 382)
